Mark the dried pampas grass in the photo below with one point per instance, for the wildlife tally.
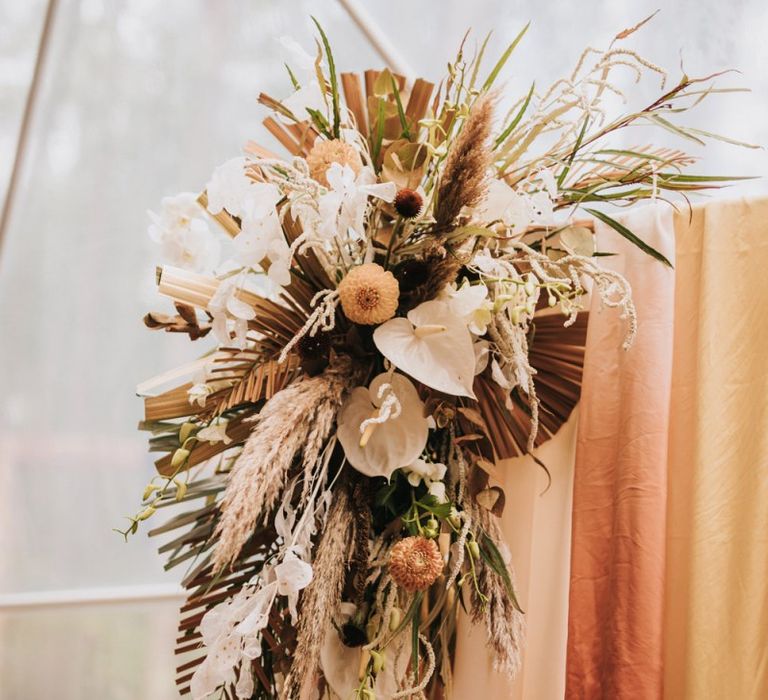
(504, 623)
(463, 182)
(296, 420)
(322, 597)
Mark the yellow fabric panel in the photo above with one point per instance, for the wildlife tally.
(716, 607)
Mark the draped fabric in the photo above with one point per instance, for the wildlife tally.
(668, 546)
(716, 605)
(617, 561)
(536, 525)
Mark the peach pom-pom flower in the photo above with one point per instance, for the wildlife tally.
(415, 563)
(324, 153)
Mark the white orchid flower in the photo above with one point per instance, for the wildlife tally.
(230, 314)
(183, 233)
(503, 204)
(420, 470)
(437, 489)
(383, 427)
(470, 302)
(431, 345)
(345, 203)
(293, 574)
(309, 95)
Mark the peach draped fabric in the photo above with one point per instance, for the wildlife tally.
(619, 503)
(716, 619)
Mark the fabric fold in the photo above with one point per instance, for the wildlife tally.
(619, 503)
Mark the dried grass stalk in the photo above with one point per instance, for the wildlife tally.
(464, 179)
(323, 596)
(296, 420)
(504, 624)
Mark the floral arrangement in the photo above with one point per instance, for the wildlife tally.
(401, 309)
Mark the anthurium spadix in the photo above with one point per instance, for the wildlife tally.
(432, 345)
(383, 427)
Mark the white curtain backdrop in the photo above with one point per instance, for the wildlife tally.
(140, 99)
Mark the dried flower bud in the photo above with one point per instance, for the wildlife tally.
(411, 274)
(395, 619)
(353, 635)
(369, 294)
(408, 203)
(415, 563)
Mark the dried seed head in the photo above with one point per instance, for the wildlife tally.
(408, 203)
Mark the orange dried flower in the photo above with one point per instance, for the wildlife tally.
(324, 153)
(415, 563)
(369, 294)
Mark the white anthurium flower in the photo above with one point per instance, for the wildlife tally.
(183, 233)
(345, 203)
(383, 427)
(470, 302)
(420, 470)
(215, 433)
(431, 345)
(230, 314)
(340, 663)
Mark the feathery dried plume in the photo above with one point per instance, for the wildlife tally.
(464, 179)
(322, 597)
(296, 420)
(504, 623)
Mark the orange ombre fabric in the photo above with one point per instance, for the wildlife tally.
(616, 601)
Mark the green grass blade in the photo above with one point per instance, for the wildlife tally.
(334, 81)
(631, 237)
(505, 56)
(504, 134)
(400, 111)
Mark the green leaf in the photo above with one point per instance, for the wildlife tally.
(631, 237)
(320, 122)
(291, 75)
(491, 555)
(334, 81)
(400, 110)
(566, 169)
(504, 134)
(429, 503)
(379, 132)
(679, 130)
(505, 56)
(415, 645)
